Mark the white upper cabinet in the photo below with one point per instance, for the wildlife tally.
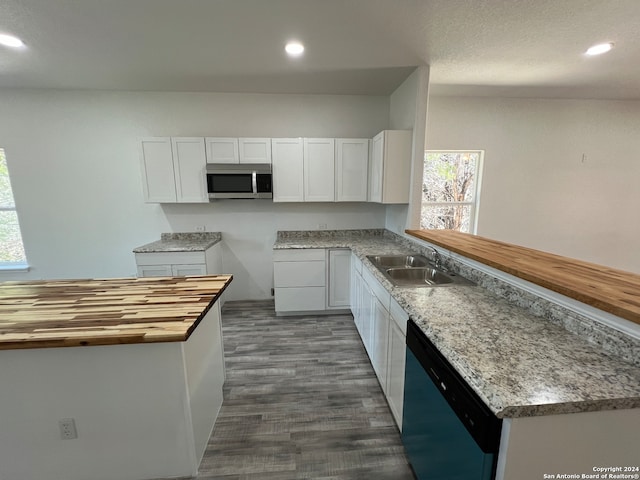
(288, 170)
(158, 178)
(189, 165)
(173, 170)
(390, 167)
(254, 150)
(319, 169)
(222, 150)
(352, 164)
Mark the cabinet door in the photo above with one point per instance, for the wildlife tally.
(366, 332)
(319, 169)
(288, 179)
(352, 167)
(339, 278)
(154, 271)
(158, 178)
(380, 338)
(183, 270)
(354, 300)
(358, 294)
(376, 166)
(222, 150)
(254, 150)
(189, 164)
(395, 371)
(396, 170)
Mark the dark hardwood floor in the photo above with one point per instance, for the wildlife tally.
(301, 401)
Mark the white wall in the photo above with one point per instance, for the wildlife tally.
(74, 163)
(559, 175)
(408, 111)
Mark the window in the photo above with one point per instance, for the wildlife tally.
(450, 190)
(11, 248)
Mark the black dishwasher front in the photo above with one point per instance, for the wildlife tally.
(447, 431)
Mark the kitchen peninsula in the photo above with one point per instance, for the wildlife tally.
(566, 386)
(137, 363)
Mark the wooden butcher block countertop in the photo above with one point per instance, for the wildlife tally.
(70, 313)
(608, 289)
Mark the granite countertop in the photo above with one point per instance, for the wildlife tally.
(181, 242)
(520, 364)
(114, 311)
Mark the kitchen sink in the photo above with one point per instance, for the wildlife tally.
(418, 276)
(405, 261)
(414, 271)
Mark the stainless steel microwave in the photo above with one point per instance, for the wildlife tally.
(244, 180)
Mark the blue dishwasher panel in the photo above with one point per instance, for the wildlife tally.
(438, 444)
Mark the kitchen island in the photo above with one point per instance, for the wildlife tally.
(566, 386)
(137, 363)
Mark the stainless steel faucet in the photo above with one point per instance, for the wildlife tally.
(435, 257)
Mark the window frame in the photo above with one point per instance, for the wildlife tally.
(18, 265)
(475, 204)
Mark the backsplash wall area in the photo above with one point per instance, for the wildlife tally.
(249, 231)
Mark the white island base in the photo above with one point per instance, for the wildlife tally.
(142, 411)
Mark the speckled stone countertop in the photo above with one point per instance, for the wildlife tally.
(181, 242)
(520, 364)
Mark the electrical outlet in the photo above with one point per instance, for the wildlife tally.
(322, 226)
(68, 429)
(200, 228)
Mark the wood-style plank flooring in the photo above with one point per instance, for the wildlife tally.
(301, 401)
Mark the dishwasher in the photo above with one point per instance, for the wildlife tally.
(447, 431)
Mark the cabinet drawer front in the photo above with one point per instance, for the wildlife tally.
(299, 299)
(184, 270)
(299, 274)
(164, 258)
(376, 287)
(254, 150)
(154, 271)
(222, 150)
(298, 254)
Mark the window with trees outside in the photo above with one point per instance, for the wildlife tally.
(450, 190)
(11, 248)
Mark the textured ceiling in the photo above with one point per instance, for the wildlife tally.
(475, 47)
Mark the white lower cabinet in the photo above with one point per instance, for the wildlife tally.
(169, 270)
(366, 319)
(356, 292)
(396, 353)
(299, 278)
(380, 327)
(381, 323)
(339, 274)
(311, 280)
(178, 264)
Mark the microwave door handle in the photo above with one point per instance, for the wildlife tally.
(254, 182)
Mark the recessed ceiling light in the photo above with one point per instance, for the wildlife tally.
(10, 41)
(294, 49)
(599, 49)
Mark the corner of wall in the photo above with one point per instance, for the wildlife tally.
(408, 110)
